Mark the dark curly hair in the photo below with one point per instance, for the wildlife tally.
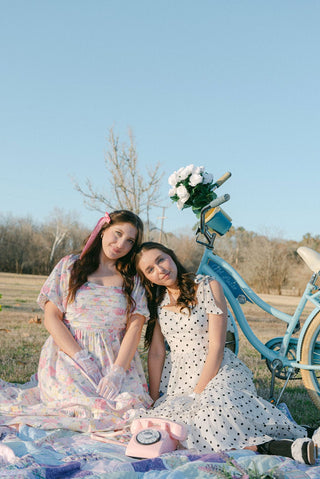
(82, 268)
(155, 293)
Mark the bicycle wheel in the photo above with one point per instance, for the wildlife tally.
(310, 354)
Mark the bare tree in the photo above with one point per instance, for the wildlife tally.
(129, 189)
(266, 264)
(311, 241)
(187, 249)
(18, 237)
(262, 261)
(62, 235)
(59, 234)
(235, 247)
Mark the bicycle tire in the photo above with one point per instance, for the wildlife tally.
(310, 354)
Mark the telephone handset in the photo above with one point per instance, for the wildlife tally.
(154, 436)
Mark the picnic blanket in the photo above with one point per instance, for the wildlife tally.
(35, 453)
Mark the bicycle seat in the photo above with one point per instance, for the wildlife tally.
(310, 257)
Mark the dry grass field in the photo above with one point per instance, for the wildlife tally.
(21, 340)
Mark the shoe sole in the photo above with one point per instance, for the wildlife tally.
(312, 453)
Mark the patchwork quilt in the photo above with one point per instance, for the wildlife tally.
(34, 453)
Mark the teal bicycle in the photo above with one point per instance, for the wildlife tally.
(287, 355)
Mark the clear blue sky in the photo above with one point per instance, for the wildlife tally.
(231, 85)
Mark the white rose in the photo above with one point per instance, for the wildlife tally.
(195, 179)
(189, 170)
(182, 174)
(197, 170)
(183, 194)
(207, 178)
(172, 191)
(173, 179)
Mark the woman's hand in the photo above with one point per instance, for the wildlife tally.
(110, 385)
(87, 362)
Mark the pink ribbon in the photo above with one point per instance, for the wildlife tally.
(102, 221)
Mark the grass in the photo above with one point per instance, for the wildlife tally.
(266, 327)
(21, 341)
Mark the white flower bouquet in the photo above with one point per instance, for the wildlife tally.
(191, 186)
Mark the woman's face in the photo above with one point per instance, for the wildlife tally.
(118, 239)
(158, 267)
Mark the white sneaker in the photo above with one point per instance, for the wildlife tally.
(304, 450)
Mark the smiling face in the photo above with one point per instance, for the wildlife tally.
(158, 267)
(117, 240)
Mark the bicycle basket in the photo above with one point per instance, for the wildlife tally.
(218, 221)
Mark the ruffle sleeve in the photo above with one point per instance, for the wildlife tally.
(55, 288)
(209, 301)
(139, 296)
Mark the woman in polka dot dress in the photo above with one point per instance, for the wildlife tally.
(209, 388)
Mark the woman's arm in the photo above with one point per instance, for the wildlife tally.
(130, 341)
(110, 385)
(217, 339)
(156, 358)
(58, 330)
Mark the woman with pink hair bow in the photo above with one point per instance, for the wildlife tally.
(90, 375)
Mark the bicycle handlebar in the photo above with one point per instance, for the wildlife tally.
(218, 201)
(221, 180)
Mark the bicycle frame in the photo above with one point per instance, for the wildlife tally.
(284, 355)
(236, 288)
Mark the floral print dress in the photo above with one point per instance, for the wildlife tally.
(63, 397)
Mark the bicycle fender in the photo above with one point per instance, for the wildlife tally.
(303, 331)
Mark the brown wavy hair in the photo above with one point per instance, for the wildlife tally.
(82, 268)
(155, 294)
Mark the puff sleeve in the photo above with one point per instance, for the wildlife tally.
(139, 296)
(209, 300)
(55, 288)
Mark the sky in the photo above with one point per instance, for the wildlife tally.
(229, 85)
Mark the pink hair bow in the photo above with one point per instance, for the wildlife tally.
(102, 221)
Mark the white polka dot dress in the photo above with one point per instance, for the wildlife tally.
(228, 413)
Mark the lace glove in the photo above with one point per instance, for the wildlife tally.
(193, 396)
(88, 364)
(110, 385)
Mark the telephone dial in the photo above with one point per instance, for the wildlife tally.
(152, 437)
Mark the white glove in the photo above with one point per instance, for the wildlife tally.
(110, 385)
(88, 364)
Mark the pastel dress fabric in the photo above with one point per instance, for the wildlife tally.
(228, 413)
(63, 396)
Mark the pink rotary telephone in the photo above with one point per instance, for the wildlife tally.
(153, 436)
